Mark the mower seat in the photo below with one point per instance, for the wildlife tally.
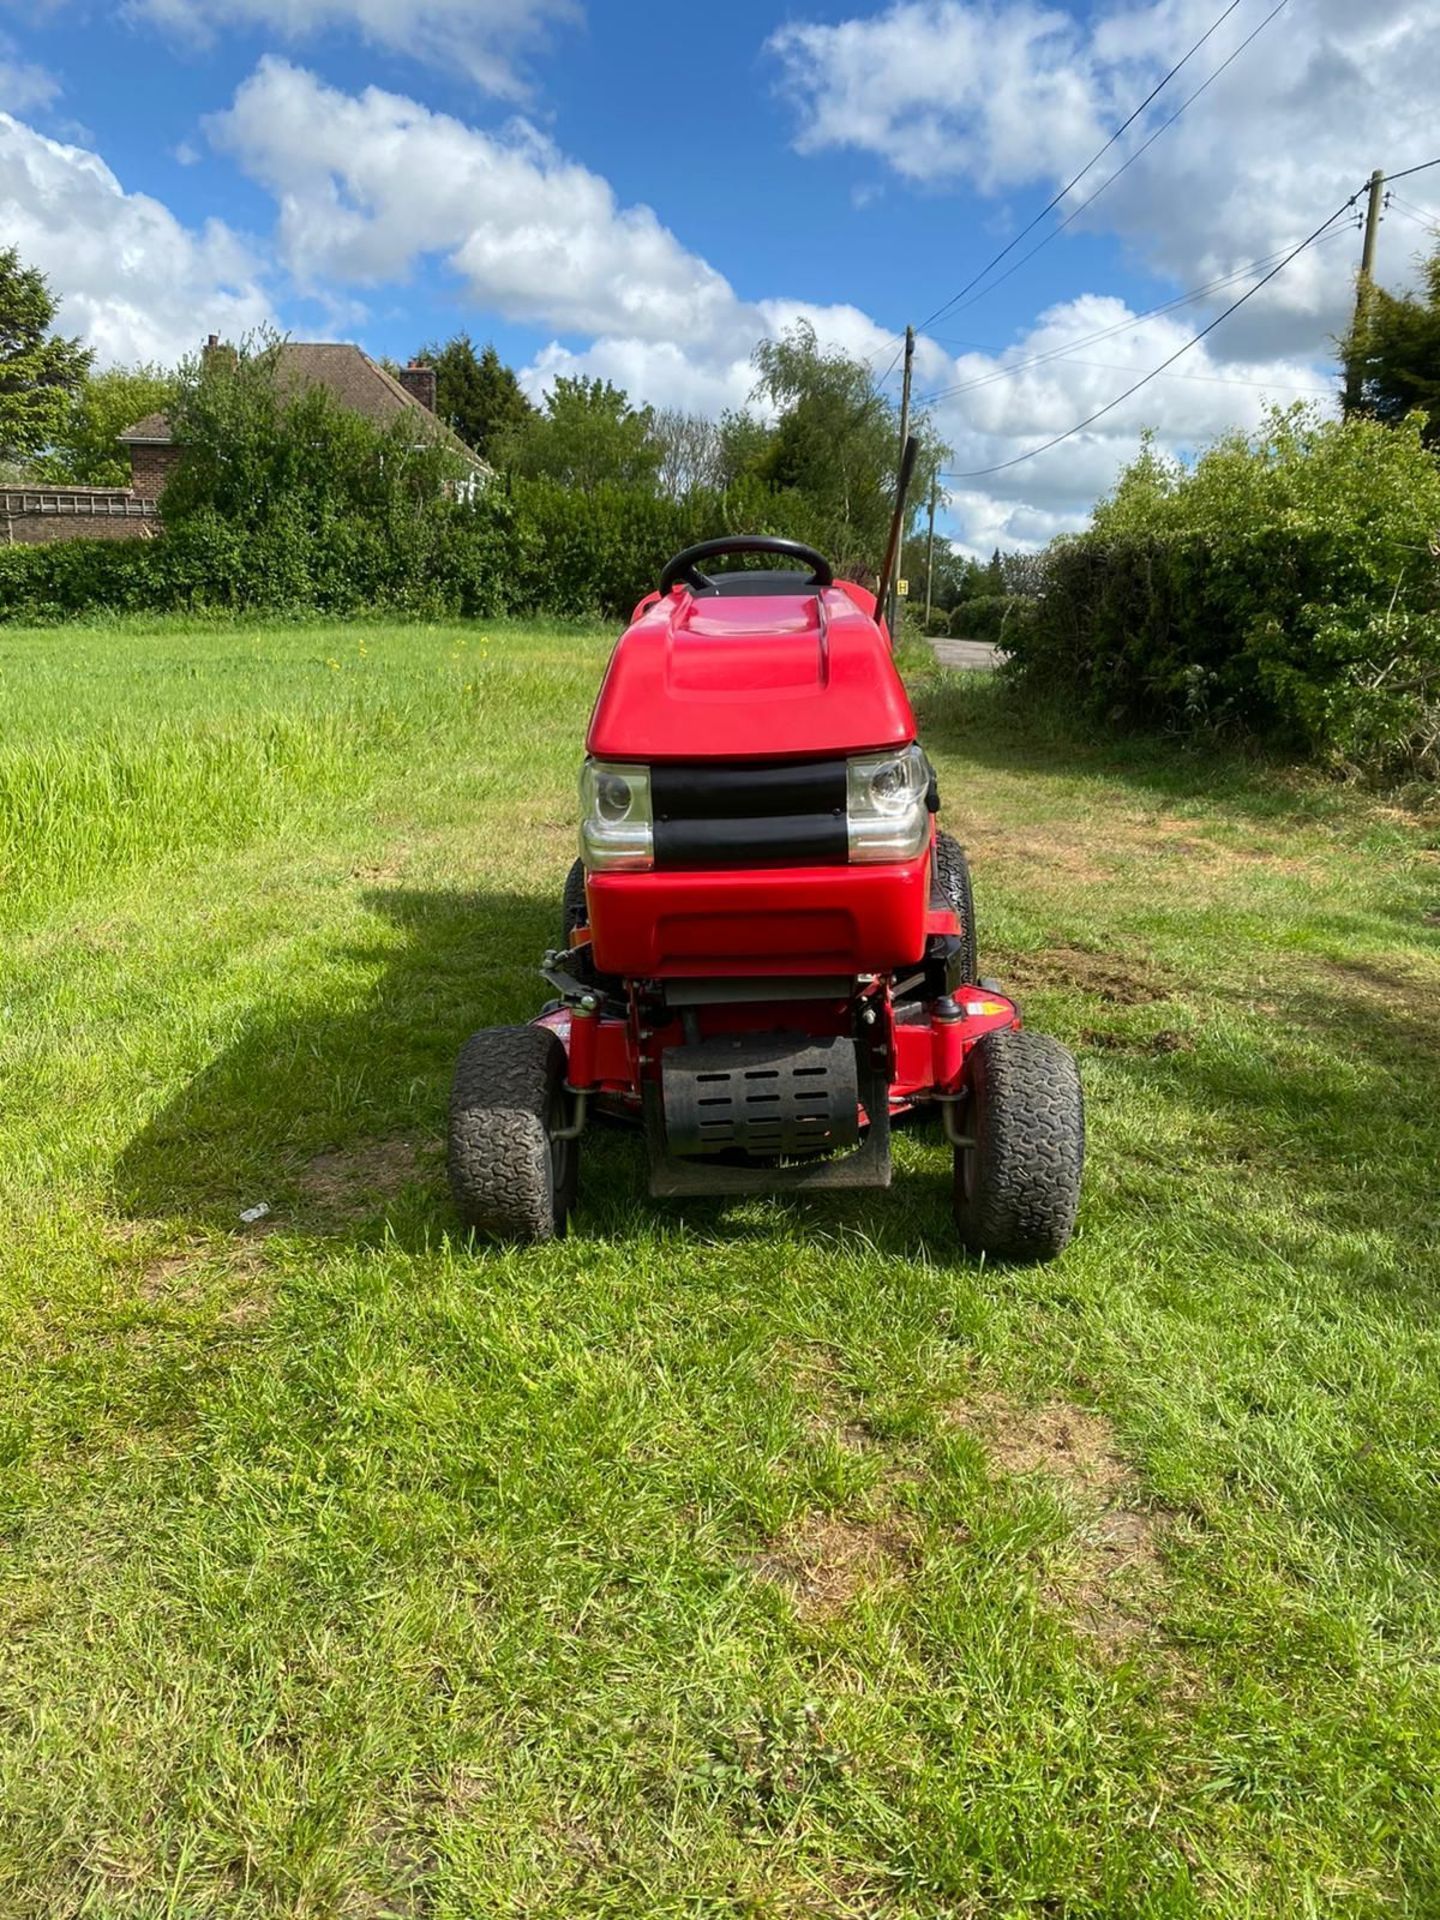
(754, 583)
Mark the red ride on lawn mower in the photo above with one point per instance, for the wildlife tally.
(771, 947)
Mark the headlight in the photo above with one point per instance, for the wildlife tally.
(616, 824)
(885, 811)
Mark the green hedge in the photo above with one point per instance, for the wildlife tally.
(531, 548)
(1286, 589)
(989, 617)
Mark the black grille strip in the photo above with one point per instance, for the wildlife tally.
(776, 815)
(699, 791)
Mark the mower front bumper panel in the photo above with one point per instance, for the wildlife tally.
(760, 922)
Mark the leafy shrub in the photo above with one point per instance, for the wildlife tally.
(989, 616)
(1285, 587)
(531, 547)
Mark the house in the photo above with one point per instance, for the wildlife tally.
(32, 515)
(346, 372)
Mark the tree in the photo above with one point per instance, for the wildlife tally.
(477, 396)
(39, 371)
(86, 450)
(1395, 350)
(836, 441)
(952, 580)
(588, 436)
(744, 443)
(691, 453)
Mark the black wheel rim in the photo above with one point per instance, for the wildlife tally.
(561, 1160)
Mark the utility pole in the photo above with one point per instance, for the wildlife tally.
(930, 551)
(1363, 285)
(893, 611)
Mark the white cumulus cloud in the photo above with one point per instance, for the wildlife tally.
(1006, 94)
(367, 183)
(134, 283)
(1073, 362)
(486, 40)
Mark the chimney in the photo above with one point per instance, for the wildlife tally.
(419, 383)
(215, 354)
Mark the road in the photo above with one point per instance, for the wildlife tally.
(966, 654)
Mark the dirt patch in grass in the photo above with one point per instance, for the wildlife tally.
(1095, 849)
(185, 1280)
(1069, 850)
(1114, 1566)
(1107, 1041)
(1123, 983)
(824, 1562)
(347, 1183)
(1415, 995)
(1391, 1011)
(186, 1275)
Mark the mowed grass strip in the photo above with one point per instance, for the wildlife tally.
(754, 1559)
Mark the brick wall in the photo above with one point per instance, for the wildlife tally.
(151, 468)
(33, 516)
(37, 530)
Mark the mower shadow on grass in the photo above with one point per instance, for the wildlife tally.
(348, 1066)
(330, 1105)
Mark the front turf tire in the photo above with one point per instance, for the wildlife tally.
(1018, 1187)
(510, 1177)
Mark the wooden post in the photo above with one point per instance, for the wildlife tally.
(1363, 284)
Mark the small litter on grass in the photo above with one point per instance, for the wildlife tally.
(250, 1215)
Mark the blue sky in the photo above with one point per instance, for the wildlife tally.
(640, 191)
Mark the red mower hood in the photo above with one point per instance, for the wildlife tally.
(750, 678)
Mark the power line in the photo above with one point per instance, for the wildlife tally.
(1107, 333)
(978, 473)
(1099, 154)
(1405, 172)
(1409, 207)
(1125, 165)
(1212, 379)
(1427, 221)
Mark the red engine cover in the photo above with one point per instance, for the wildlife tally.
(751, 678)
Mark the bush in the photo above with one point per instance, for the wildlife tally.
(1284, 587)
(990, 617)
(533, 547)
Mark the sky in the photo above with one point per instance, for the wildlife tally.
(642, 190)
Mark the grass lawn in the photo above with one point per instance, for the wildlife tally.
(762, 1558)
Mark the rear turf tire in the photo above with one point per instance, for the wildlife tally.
(1018, 1187)
(950, 887)
(510, 1177)
(575, 910)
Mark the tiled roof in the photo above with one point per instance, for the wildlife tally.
(154, 426)
(355, 380)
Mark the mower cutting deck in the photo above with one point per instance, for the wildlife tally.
(770, 944)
